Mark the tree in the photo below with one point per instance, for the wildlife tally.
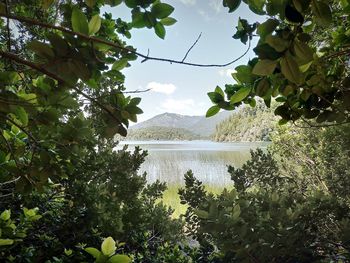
(301, 61)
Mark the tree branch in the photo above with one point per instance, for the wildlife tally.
(189, 50)
(54, 76)
(8, 28)
(115, 45)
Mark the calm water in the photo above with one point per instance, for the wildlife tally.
(169, 160)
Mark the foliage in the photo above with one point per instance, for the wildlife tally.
(162, 133)
(247, 124)
(291, 206)
(301, 60)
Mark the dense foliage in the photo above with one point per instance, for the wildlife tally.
(292, 206)
(247, 124)
(301, 61)
(162, 133)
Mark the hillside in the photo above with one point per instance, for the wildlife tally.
(248, 124)
(162, 134)
(199, 125)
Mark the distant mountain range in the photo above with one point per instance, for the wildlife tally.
(199, 126)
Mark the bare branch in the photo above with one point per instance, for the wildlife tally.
(136, 91)
(189, 50)
(117, 45)
(8, 28)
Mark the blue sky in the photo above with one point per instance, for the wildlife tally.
(178, 88)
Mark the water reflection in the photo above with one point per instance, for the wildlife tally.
(169, 161)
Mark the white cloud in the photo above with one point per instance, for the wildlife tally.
(226, 72)
(161, 88)
(188, 2)
(216, 5)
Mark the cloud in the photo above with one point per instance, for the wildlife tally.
(226, 72)
(188, 2)
(216, 5)
(161, 88)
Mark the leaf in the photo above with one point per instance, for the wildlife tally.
(240, 95)
(267, 27)
(215, 97)
(6, 242)
(108, 246)
(243, 74)
(90, 3)
(293, 15)
(119, 259)
(120, 64)
(236, 212)
(322, 13)
(45, 4)
(94, 24)
(219, 91)
(5, 215)
(93, 251)
(212, 111)
(277, 43)
(264, 67)
(138, 19)
(43, 50)
(80, 69)
(59, 45)
(263, 88)
(135, 101)
(168, 21)
(160, 30)
(162, 10)
(303, 52)
(232, 4)
(79, 22)
(290, 69)
(22, 115)
(201, 214)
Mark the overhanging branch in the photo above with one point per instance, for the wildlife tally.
(116, 45)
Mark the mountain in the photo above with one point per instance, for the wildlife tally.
(198, 125)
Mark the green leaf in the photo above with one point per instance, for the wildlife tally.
(220, 91)
(243, 74)
(135, 101)
(303, 52)
(6, 215)
(168, 21)
(22, 115)
(240, 95)
(232, 4)
(236, 212)
(59, 45)
(264, 67)
(79, 22)
(290, 69)
(93, 251)
(90, 3)
(277, 43)
(263, 88)
(79, 69)
(322, 12)
(212, 111)
(215, 97)
(46, 4)
(119, 259)
(6, 242)
(108, 246)
(94, 24)
(43, 50)
(120, 64)
(267, 27)
(201, 214)
(162, 10)
(138, 19)
(160, 30)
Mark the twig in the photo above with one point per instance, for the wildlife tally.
(310, 125)
(115, 45)
(189, 50)
(10, 149)
(10, 182)
(136, 91)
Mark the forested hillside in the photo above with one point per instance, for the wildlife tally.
(247, 124)
(162, 133)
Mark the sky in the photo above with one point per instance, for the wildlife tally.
(178, 88)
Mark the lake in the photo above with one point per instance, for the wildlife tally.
(168, 161)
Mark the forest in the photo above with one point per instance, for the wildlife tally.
(68, 193)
